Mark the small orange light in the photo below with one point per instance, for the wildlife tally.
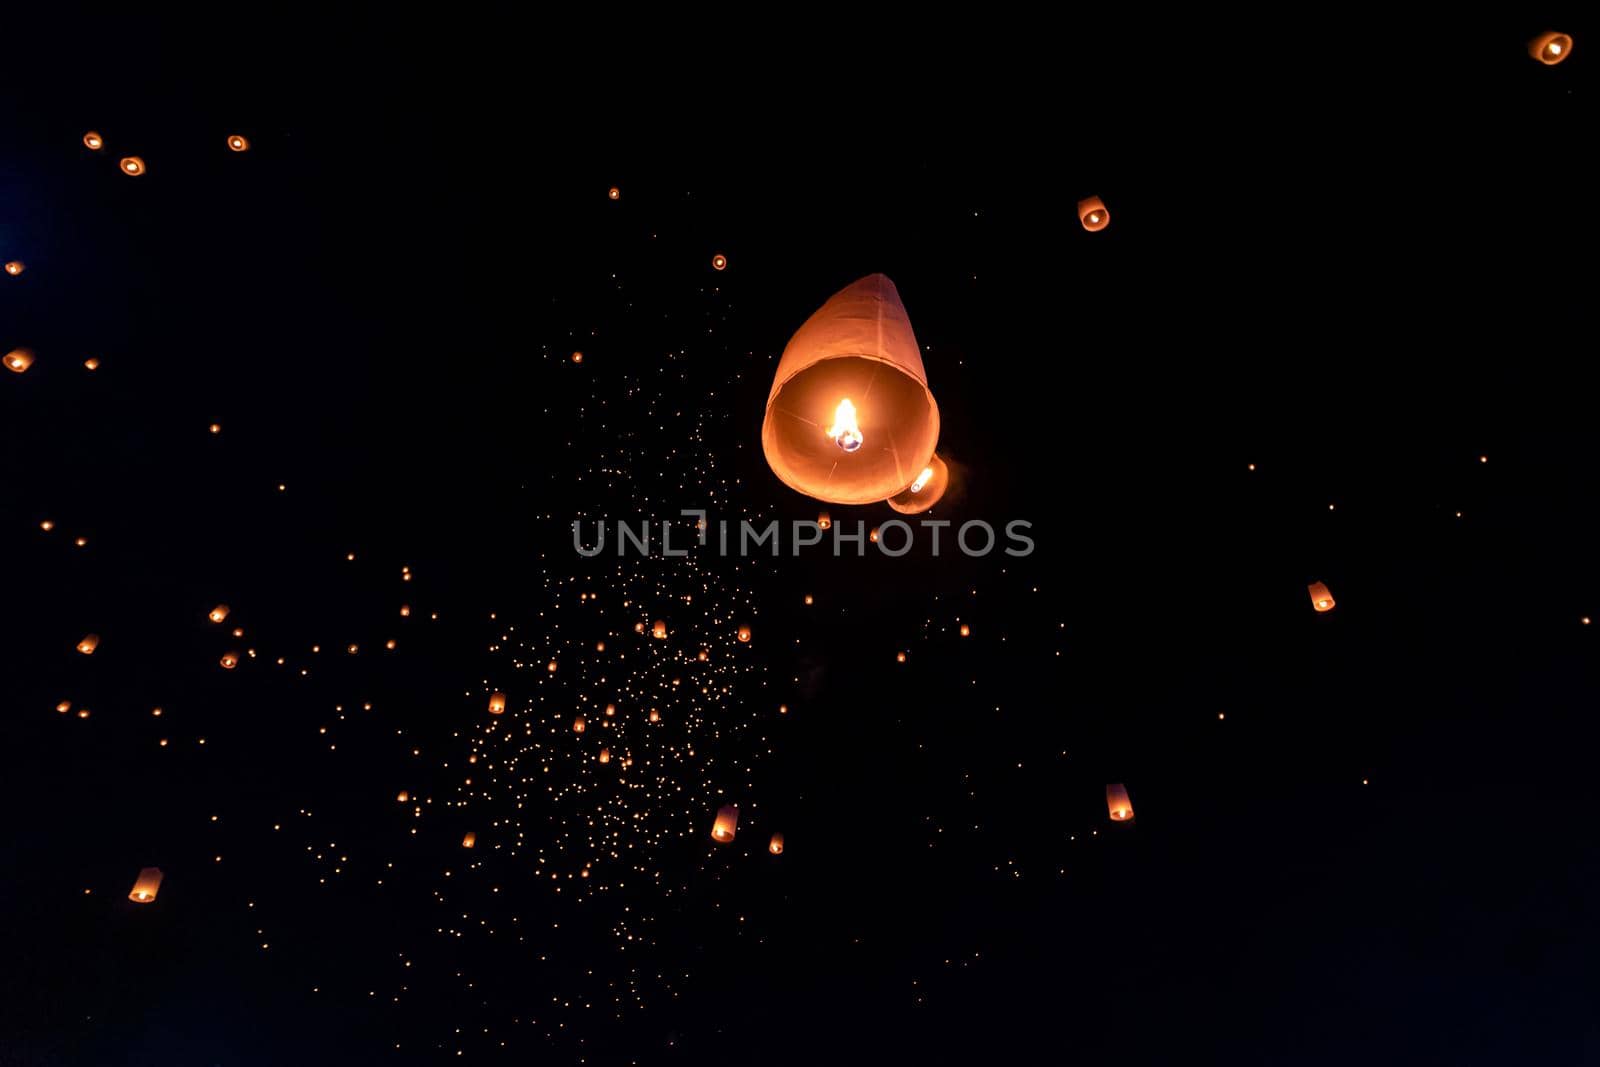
(15, 267)
(238, 143)
(132, 165)
(1093, 214)
(719, 262)
(614, 193)
(229, 660)
(93, 141)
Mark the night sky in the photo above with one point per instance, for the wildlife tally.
(1340, 329)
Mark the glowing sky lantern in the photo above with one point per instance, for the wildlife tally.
(146, 886)
(1321, 599)
(577, 357)
(659, 630)
(824, 521)
(1093, 214)
(655, 716)
(719, 262)
(1118, 804)
(15, 267)
(614, 193)
(744, 634)
(605, 755)
(89, 644)
(727, 821)
(850, 419)
(775, 846)
(132, 165)
(238, 143)
(925, 491)
(19, 360)
(93, 141)
(497, 704)
(579, 725)
(218, 613)
(229, 660)
(1550, 48)
(403, 796)
(470, 840)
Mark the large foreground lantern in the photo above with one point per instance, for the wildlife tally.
(926, 491)
(146, 886)
(727, 821)
(850, 419)
(1550, 48)
(1118, 804)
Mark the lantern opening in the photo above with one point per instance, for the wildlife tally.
(845, 431)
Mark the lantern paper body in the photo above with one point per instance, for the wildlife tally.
(605, 755)
(1118, 804)
(857, 347)
(15, 267)
(915, 500)
(238, 143)
(19, 360)
(146, 886)
(578, 725)
(132, 165)
(719, 262)
(89, 644)
(218, 613)
(469, 841)
(727, 821)
(497, 704)
(1093, 214)
(775, 846)
(744, 634)
(229, 660)
(659, 630)
(93, 141)
(1550, 48)
(1321, 599)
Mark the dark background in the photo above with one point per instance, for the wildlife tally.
(1354, 254)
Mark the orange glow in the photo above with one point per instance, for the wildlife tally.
(470, 840)
(551, 666)
(1118, 804)
(1321, 599)
(966, 631)
(1093, 214)
(405, 611)
(497, 704)
(611, 710)
(810, 600)
(824, 521)
(229, 660)
(19, 360)
(1550, 48)
(655, 716)
(64, 707)
(775, 846)
(146, 886)
(403, 797)
(873, 535)
(702, 655)
(89, 644)
(577, 357)
(858, 346)
(91, 364)
(719, 262)
(132, 165)
(93, 141)
(659, 630)
(899, 657)
(579, 725)
(218, 613)
(605, 755)
(15, 267)
(599, 646)
(727, 822)
(614, 193)
(744, 634)
(926, 490)
(238, 144)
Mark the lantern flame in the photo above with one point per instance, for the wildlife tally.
(922, 480)
(846, 433)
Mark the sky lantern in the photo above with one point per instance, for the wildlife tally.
(218, 613)
(655, 716)
(229, 660)
(551, 666)
(659, 630)
(470, 840)
(238, 143)
(925, 491)
(605, 755)
(966, 631)
(19, 360)
(744, 635)
(146, 885)
(91, 364)
(577, 357)
(614, 193)
(727, 821)
(775, 846)
(403, 796)
(1550, 48)
(1321, 599)
(719, 262)
(579, 725)
(89, 643)
(824, 521)
(1093, 214)
(93, 141)
(702, 655)
(15, 267)
(1118, 804)
(497, 704)
(611, 710)
(850, 419)
(132, 165)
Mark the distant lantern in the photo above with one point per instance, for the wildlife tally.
(1321, 599)
(638, 627)
(655, 716)
(659, 630)
(719, 262)
(93, 141)
(132, 165)
(229, 660)
(966, 631)
(218, 613)
(470, 840)
(605, 755)
(614, 193)
(146, 886)
(238, 143)
(89, 644)
(775, 846)
(1550, 48)
(577, 357)
(403, 797)
(15, 267)
(744, 634)
(850, 419)
(727, 821)
(702, 655)
(599, 646)
(19, 360)
(91, 364)
(579, 725)
(899, 657)
(497, 704)
(551, 666)
(824, 521)
(926, 490)
(611, 710)
(1093, 214)
(873, 535)
(1118, 804)
(405, 611)
(64, 707)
